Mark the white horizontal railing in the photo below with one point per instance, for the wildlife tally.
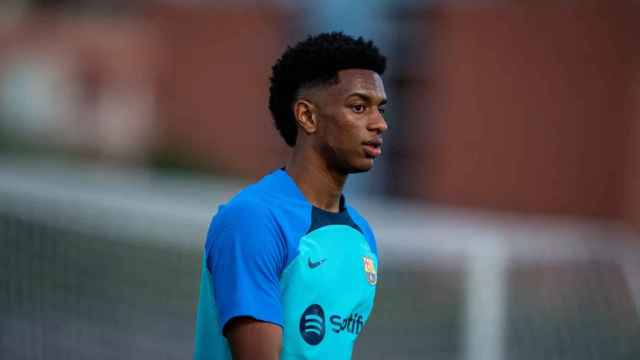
(175, 210)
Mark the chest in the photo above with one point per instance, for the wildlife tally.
(328, 292)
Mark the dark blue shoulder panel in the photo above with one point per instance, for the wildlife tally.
(321, 218)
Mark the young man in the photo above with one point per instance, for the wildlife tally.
(289, 269)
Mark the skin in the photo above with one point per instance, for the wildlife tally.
(340, 126)
(334, 123)
(252, 339)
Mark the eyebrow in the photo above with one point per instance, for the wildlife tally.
(366, 97)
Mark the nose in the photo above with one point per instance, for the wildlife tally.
(377, 123)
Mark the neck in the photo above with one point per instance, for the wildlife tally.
(320, 185)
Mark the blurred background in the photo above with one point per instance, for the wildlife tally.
(506, 206)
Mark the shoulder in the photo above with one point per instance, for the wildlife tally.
(245, 227)
(359, 219)
(245, 213)
(253, 203)
(364, 226)
(246, 217)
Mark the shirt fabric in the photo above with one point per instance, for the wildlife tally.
(273, 256)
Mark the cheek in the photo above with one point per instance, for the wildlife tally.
(340, 132)
(344, 133)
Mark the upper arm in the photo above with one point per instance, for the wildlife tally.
(245, 255)
(251, 339)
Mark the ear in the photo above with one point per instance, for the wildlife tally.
(305, 113)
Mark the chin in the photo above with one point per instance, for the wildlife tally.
(361, 166)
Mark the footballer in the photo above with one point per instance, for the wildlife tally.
(289, 267)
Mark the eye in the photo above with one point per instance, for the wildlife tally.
(358, 108)
(382, 110)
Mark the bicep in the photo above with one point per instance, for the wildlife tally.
(245, 257)
(250, 339)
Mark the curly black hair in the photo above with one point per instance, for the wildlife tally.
(316, 61)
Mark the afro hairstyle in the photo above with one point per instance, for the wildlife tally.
(312, 62)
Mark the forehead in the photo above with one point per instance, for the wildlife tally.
(358, 81)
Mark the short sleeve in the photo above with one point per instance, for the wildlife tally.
(245, 255)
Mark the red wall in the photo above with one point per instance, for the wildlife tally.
(531, 107)
(631, 204)
(213, 92)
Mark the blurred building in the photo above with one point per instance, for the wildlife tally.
(527, 109)
(530, 107)
(521, 106)
(167, 83)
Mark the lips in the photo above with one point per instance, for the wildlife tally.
(373, 148)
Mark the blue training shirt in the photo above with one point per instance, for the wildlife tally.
(273, 256)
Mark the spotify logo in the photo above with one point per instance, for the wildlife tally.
(312, 325)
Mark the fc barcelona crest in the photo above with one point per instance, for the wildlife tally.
(370, 270)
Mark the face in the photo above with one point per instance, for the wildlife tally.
(350, 122)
